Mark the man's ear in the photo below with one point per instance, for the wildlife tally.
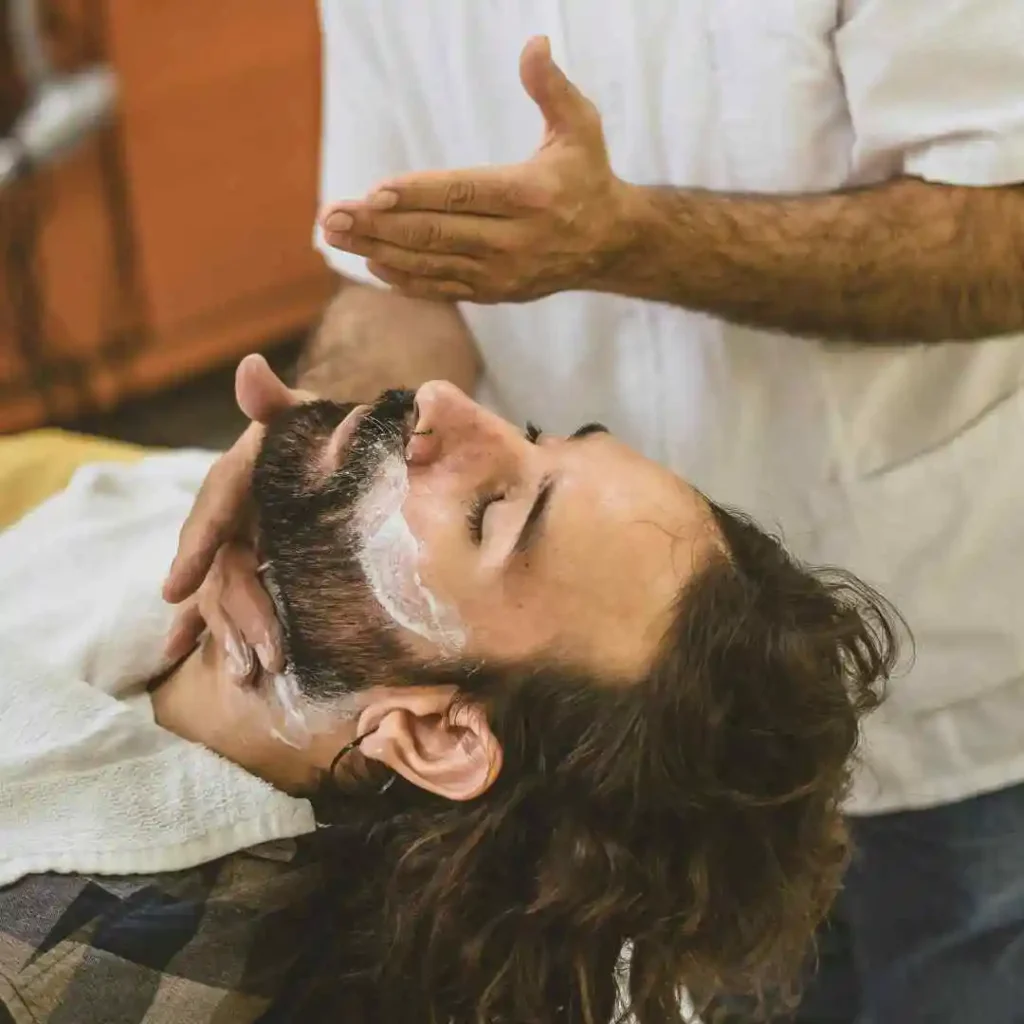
(451, 753)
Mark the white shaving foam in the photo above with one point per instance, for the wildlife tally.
(301, 717)
(389, 555)
(295, 728)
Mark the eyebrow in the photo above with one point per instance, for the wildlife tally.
(532, 523)
(534, 518)
(588, 428)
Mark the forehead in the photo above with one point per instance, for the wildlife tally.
(652, 526)
(631, 490)
(624, 537)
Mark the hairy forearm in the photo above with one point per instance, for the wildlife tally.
(371, 339)
(900, 262)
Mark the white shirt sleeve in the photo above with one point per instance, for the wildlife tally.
(361, 135)
(937, 86)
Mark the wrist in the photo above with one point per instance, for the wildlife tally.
(630, 244)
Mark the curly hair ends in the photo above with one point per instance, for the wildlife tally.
(691, 819)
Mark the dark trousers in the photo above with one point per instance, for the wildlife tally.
(930, 926)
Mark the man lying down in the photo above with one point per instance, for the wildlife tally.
(547, 700)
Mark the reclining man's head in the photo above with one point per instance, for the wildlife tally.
(616, 712)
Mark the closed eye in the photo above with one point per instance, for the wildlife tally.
(534, 433)
(477, 511)
(478, 508)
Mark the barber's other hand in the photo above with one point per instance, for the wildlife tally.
(238, 613)
(553, 223)
(222, 514)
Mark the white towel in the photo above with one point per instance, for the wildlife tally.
(89, 783)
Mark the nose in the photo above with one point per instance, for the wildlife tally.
(448, 422)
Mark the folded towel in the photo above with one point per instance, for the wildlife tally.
(89, 782)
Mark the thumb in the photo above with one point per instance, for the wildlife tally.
(260, 393)
(565, 109)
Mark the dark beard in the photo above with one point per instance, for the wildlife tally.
(287, 480)
(337, 638)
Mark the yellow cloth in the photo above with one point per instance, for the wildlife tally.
(37, 464)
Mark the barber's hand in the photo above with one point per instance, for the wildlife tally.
(498, 234)
(214, 570)
(232, 604)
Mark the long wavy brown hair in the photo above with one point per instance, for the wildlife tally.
(680, 832)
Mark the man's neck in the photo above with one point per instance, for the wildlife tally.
(202, 701)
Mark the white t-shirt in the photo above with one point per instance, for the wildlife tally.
(904, 464)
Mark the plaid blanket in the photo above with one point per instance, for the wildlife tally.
(213, 945)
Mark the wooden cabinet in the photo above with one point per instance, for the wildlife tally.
(180, 238)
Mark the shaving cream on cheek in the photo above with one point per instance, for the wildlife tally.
(301, 718)
(295, 730)
(389, 556)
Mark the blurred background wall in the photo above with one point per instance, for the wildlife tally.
(139, 266)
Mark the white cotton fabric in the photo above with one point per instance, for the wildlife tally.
(903, 464)
(89, 782)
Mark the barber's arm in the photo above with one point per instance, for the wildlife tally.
(904, 261)
(372, 338)
(935, 86)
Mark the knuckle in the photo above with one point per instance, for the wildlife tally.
(540, 194)
(460, 194)
(360, 246)
(432, 236)
(591, 114)
(522, 195)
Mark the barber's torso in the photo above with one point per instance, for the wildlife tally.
(902, 463)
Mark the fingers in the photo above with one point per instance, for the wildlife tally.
(422, 287)
(416, 264)
(564, 108)
(187, 627)
(490, 191)
(237, 654)
(451, 234)
(260, 393)
(236, 610)
(218, 515)
(247, 606)
(220, 512)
